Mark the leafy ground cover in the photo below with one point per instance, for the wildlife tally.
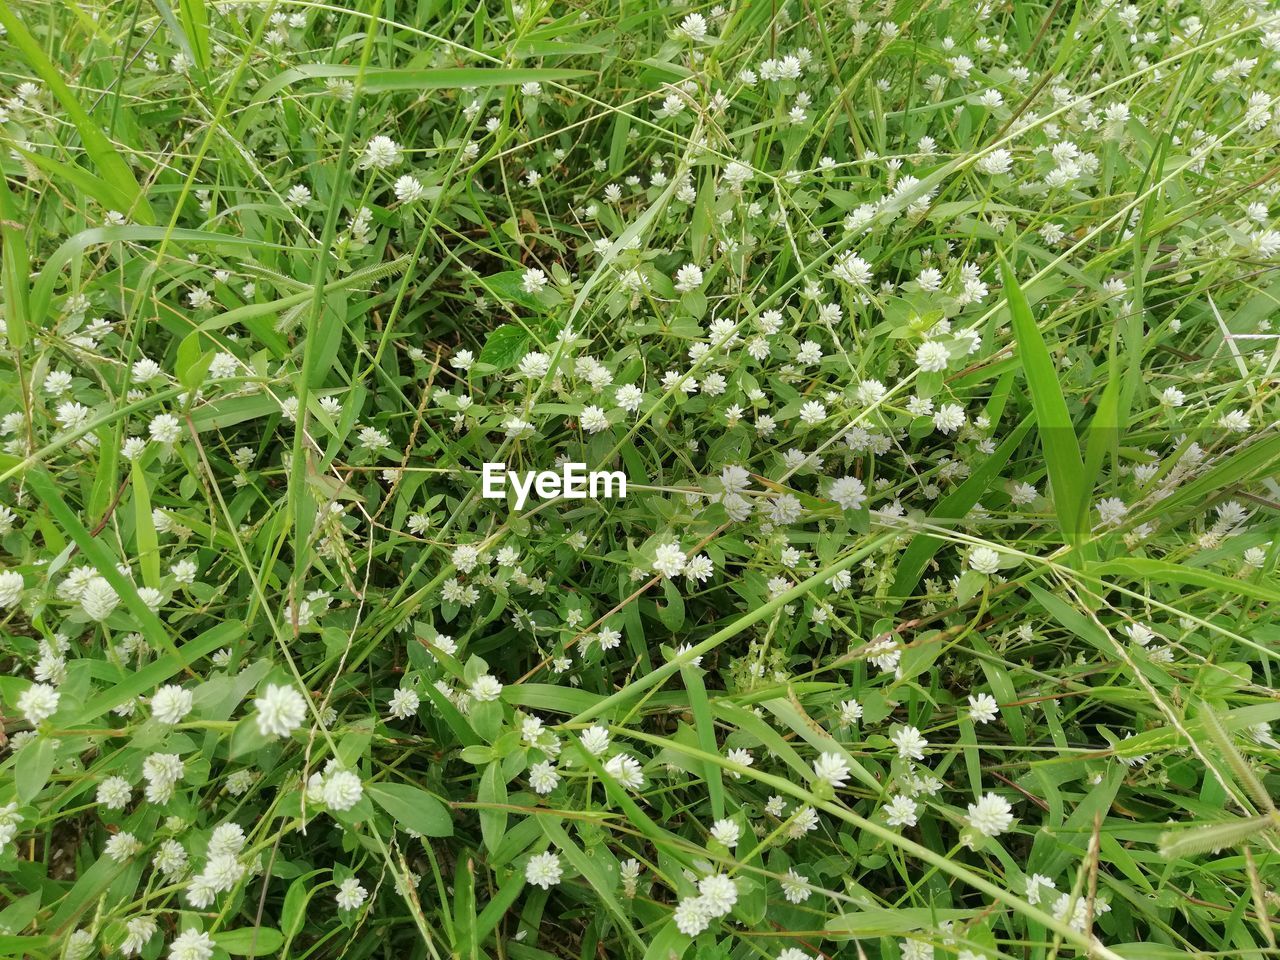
(935, 340)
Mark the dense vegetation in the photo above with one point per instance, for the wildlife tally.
(935, 342)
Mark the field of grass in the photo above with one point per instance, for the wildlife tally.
(934, 339)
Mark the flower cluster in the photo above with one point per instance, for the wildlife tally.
(935, 345)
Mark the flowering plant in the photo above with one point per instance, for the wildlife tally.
(929, 345)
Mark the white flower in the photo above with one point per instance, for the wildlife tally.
(162, 771)
(351, 894)
(534, 365)
(995, 162)
(593, 419)
(849, 492)
(719, 893)
(688, 278)
(932, 357)
(595, 740)
(138, 931)
(98, 599)
(543, 777)
(625, 769)
(170, 860)
(949, 418)
(984, 560)
(1034, 883)
(227, 840)
(191, 945)
(1111, 511)
(533, 281)
(486, 688)
(280, 711)
(736, 174)
(184, 571)
(699, 569)
(795, 887)
(166, 428)
(38, 702)
(726, 832)
(692, 916)
(900, 811)
(694, 26)
(152, 597)
(910, 743)
(668, 559)
(1234, 421)
(543, 870)
(991, 816)
(408, 189)
(852, 269)
(11, 587)
(850, 712)
(983, 708)
(804, 821)
(114, 793)
(171, 703)
(629, 397)
(121, 846)
(831, 768)
(404, 703)
(812, 412)
(341, 790)
(381, 153)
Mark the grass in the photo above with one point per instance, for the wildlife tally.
(935, 341)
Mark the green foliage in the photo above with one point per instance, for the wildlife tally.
(935, 343)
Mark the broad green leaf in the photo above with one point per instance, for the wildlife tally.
(32, 767)
(250, 941)
(492, 796)
(505, 346)
(293, 914)
(413, 807)
(193, 360)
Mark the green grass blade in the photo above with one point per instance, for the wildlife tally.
(111, 165)
(1053, 421)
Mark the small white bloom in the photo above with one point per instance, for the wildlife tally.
(38, 703)
(486, 689)
(408, 189)
(910, 742)
(171, 703)
(280, 711)
(831, 768)
(991, 816)
(351, 894)
(984, 560)
(404, 703)
(543, 870)
(983, 708)
(900, 811)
